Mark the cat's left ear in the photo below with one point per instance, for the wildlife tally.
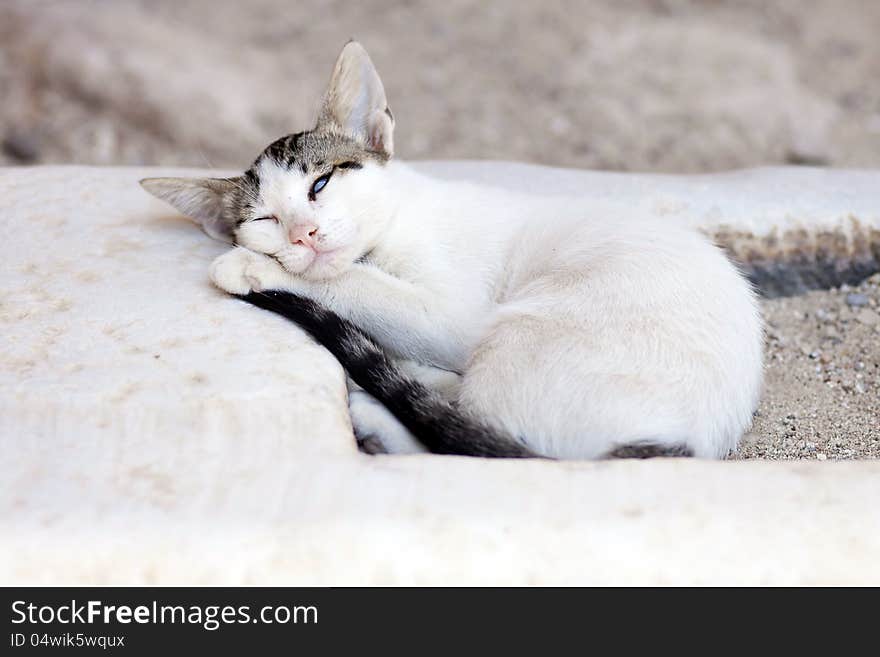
(355, 101)
(206, 200)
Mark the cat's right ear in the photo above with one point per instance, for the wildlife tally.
(205, 200)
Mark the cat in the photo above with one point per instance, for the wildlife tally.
(478, 321)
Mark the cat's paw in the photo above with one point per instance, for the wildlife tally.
(241, 271)
(377, 431)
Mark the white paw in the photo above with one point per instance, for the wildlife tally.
(377, 430)
(240, 271)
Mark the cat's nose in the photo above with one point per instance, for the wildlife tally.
(304, 234)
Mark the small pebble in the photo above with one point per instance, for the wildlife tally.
(820, 456)
(856, 299)
(868, 317)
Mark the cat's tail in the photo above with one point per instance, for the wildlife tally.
(434, 422)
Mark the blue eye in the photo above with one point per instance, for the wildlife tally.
(319, 184)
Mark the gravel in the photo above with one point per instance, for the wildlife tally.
(822, 392)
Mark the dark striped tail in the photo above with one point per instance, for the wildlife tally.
(435, 423)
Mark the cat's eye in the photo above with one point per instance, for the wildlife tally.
(270, 217)
(319, 184)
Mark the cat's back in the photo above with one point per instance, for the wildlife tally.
(618, 318)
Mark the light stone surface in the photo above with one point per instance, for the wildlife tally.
(153, 430)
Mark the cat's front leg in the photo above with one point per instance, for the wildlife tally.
(409, 320)
(242, 271)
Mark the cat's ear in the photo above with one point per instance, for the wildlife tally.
(355, 101)
(206, 200)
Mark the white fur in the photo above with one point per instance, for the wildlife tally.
(575, 333)
(371, 419)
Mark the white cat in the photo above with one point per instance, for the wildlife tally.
(498, 324)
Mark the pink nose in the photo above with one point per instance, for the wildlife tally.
(303, 234)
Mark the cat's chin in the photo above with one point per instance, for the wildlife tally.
(321, 266)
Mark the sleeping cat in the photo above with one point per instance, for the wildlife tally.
(475, 320)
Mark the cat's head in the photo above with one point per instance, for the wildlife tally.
(315, 200)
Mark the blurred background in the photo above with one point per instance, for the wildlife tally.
(652, 85)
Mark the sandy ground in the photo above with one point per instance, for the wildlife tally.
(647, 85)
(822, 396)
